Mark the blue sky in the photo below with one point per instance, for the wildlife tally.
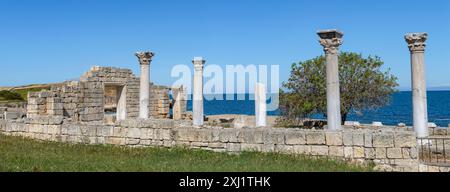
(53, 40)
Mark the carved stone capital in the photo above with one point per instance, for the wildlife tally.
(198, 63)
(330, 40)
(416, 41)
(144, 57)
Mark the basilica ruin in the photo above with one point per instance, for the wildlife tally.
(109, 105)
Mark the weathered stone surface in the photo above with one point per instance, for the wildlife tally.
(228, 135)
(369, 153)
(394, 153)
(347, 138)
(274, 137)
(358, 152)
(315, 138)
(358, 139)
(380, 153)
(405, 139)
(368, 139)
(296, 138)
(336, 151)
(383, 139)
(333, 138)
(348, 152)
(251, 136)
(302, 149)
(319, 150)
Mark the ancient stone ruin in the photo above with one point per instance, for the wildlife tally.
(103, 94)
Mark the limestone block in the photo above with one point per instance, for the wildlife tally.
(380, 153)
(394, 153)
(369, 153)
(267, 148)
(358, 152)
(119, 131)
(348, 152)
(73, 130)
(115, 141)
(229, 135)
(368, 139)
(333, 138)
(273, 137)
(288, 149)
(205, 135)
(251, 136)
(383, 139)
(347, 138)
(251, 147)
(132, 141)
(358, 139)
(233, 147)
(296, 138)
(302, 149)
(104, 130)
(401, 125)
(163, 134)
(315, 138)
(336, 151)
(11, 115)
(319, 150)
(134, 133)
(217, 145)
(405, 139)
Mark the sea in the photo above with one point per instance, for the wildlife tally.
(399, 110)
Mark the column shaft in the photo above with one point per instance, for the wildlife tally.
(260, 105)
(416, 44)
(333, 92)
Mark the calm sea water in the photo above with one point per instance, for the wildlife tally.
(399, 110)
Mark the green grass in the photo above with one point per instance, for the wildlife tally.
(19, 154)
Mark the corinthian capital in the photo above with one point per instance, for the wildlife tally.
(330, 40)
(144, 57)
(416, 41)
(198, 63)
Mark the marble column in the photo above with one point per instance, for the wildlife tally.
(416, 45)
(331, 40)
(144, 89)
(197, 101)
(260, 105)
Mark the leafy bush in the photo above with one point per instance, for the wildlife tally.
(10, 95)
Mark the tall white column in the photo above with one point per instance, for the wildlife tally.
(260, 105)
(416, 45)
(197, 102)
(331, 40)
(144, 89)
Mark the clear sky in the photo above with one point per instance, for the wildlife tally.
(56, 40)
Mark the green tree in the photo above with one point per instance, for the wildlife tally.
(363, 86)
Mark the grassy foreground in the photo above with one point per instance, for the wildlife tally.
(19, 154)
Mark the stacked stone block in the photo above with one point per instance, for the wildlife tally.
(159, 104)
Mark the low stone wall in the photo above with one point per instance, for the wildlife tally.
(388, 149)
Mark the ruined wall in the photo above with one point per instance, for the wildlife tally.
(388, 149)
(93, 91)
(84, 100)
(159, 104)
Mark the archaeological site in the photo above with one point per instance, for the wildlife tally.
(110, 105)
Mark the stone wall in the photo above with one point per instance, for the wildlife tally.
(388, 149)
(84, 100)
(159, 104)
